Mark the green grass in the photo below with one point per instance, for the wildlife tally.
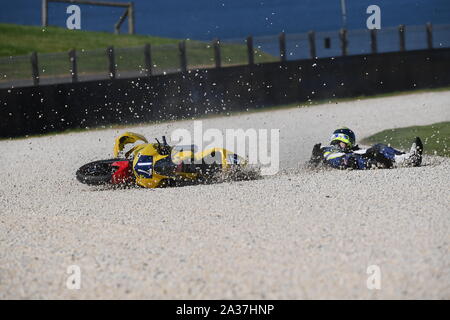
(435, 137)
(53, 43)
(20, 40)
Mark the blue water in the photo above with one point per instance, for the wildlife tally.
(224, 19)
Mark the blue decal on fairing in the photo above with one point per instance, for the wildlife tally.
(144, 166)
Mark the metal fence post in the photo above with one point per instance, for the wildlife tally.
(282, 39)
(250, 51)
(148, 59)
(373, 40)
(217, 53)
(401, 33)
(112, 63)
(430, 35)
(73, 65)
(131, 18)
(34, 68)
(183, 59)
(344, 42)
(312, 44)
(44, 13)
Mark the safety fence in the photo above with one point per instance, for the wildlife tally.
(147, 60)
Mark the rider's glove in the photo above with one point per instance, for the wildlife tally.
(317, 154)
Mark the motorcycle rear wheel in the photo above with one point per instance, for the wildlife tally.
(98, 172)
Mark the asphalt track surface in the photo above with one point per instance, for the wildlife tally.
(299, 234)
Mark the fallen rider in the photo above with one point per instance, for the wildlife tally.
(343, 153)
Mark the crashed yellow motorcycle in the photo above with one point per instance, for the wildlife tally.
(153, 165)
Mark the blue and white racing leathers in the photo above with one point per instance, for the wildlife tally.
(377, 155)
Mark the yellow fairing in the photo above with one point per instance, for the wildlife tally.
(126, 138)
(156, 179)
(145, 156)
(226, 157)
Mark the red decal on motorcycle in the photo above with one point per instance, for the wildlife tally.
(123, 174)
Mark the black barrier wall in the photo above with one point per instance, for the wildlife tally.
(49, 108)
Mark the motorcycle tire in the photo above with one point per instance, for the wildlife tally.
(97, 172)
